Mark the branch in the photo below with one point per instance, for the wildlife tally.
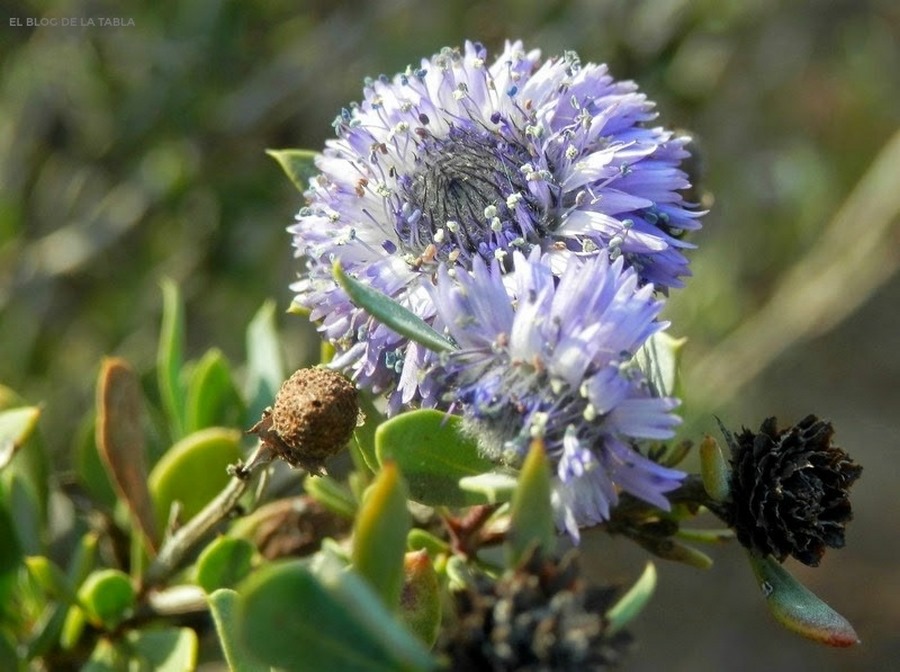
(177, 546)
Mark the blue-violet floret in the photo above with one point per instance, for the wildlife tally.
(461, 159)
(554, 358)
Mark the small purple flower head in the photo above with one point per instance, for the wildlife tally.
(557, 363)
(461, 159)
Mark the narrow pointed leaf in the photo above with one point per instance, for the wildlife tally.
(379, 536)
(92, 473)
(51, 579)
(265, 362)
(670, 549)
(390, 313)
(334, 496)
(797, 608)
(120, 440)
(658, 358)
(420, 602)
(298, 164)
(16, 425)
(10, 557)
(706, 536)
(531, 511)
(632, 602)
(212, 398)
(433, 455)
(170, 358)
(24, 507)
(714, 469)
(25, 471)
(364, 436)
(49, 631)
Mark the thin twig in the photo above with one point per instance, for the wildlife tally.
(177, 546)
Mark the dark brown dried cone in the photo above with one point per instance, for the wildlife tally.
(315, 413)
(790, 490)
(540, 617)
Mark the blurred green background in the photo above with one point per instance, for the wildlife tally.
(133, 153)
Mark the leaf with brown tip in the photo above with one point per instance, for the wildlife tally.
(120, 442)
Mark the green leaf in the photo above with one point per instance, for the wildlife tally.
(797, 608)
(8, 654)
(334, 496)
(25, 473)
(419, 539)
(326, 622)
(658, 358)
(390, 313)
(714, 469)
(10, 555)
(433, 455)
(162, 650)
(212, 398)
(91, 471)
(265, 362)
(298, 164)
(120, 440)
(706, 536)
(224, 563)
(106, 657)
(193, 471)
(51, 629)
(420, 605)
(531, 511)
(72, 628)
(16, 425)
(379, 536)
(495, 486)
(460, 575)
(670, 549)
(364, 436)
(107, 597)
(632, 602)
(222, 606)
(51, 579)
(24, 508)
(170, 359)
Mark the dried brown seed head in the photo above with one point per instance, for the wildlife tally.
(315, 413)
(790, 490)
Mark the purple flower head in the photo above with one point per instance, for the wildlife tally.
(461, 159)
(557, 362)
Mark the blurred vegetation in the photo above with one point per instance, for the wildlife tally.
(132, 154)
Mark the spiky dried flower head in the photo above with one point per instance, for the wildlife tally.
(313, 418)
(541, 616)
(789, 490)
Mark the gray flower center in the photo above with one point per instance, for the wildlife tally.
(468, 193)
